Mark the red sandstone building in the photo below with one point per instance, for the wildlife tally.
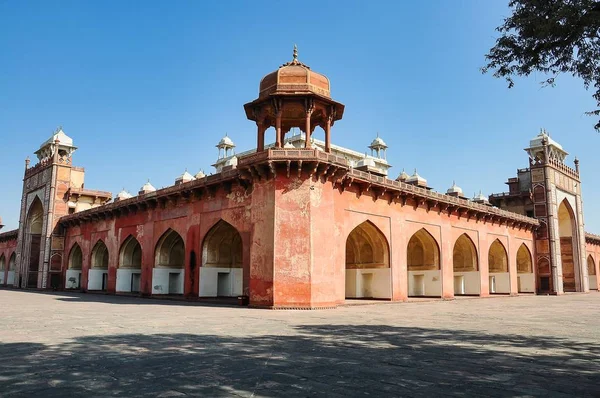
(301, 223)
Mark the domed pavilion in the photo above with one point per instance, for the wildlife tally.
(294, 96)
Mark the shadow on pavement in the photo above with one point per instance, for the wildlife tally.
(315, 361)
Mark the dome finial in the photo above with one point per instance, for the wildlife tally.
(295, 55)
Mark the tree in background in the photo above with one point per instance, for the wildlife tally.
(552, 37)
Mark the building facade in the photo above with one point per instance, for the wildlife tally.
(301, 223)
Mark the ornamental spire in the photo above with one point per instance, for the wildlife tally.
(295, 55)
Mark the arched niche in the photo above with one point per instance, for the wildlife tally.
(497, 258)
(12, 262)
(367, 263)
(170, 250)
(75, 258)
(423, 252)
(130, 254)
(367, 247)
(100, 256)
(524, 265)
(591, 264)
(221, 273)
(464, 255)
(222, 247)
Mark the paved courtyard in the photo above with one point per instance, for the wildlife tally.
(59, 345)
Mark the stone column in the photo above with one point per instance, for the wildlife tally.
(278, 129)
(260, 141)
(328, 133)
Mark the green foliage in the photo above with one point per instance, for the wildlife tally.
(552, 37)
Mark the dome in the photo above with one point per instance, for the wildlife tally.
(185, 177)
(536, 142)
(403, 176)
(147, 188)
(378, 143)
(123, 195)
(200, 174)
(416, 179)
(59, 135)
(480, 198)
(294, 77)
(454, 189)
(225, 141)
(289, 145)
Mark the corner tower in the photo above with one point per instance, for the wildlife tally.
(556, 195)
(550, 191)
(52, 188)
(294, 96)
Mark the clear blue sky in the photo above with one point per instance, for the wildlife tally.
(146, 89)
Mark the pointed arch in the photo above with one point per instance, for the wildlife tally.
(75, 257)
(100, 255)
(170, 250)
(222, 247)
(567, 226)
(12, 262)
(497, 257)
(591, 264)
(423, 252)
(367, 247)
(464, 255)
(35, 217)
(566, 219)
(524, 263)
(130, 254)
(367, 263)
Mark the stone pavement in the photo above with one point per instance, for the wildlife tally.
(76, 345)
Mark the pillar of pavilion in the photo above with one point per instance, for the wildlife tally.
(294, 96)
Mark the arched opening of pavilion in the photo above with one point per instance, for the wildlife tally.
(499, 278)
(221, 273)
(466, 267)
(33, 241)
(2, 269)
(129, 271)
(98, 274)
(73, 276)
(169, 259)
(591, 264)
(525, 276)
(12, 264)
(367, 263)
(423, 259)
(567, 228)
